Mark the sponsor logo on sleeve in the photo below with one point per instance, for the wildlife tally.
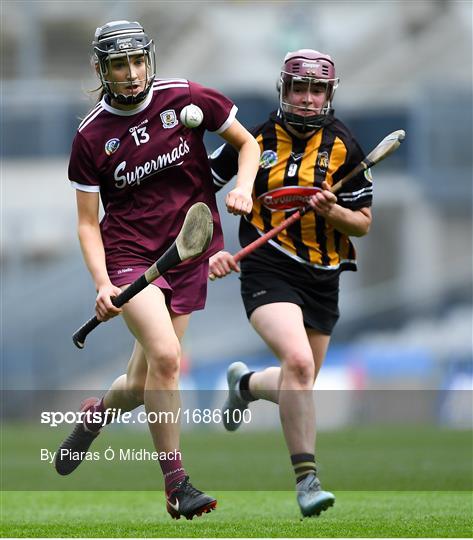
(268, 159)
(111, 146)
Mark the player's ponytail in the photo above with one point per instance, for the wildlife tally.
(100, 88)
(102, 93)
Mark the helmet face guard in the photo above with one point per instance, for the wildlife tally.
(309, 72)
(123, 40)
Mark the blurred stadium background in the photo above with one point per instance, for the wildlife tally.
(406, 315)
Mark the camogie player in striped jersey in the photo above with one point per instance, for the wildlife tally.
(132, 152)
(290, 285)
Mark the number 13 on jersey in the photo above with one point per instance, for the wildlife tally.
(140, 136)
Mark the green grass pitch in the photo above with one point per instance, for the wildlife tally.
(239, 514)
(389, 482)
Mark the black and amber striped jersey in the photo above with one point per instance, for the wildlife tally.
(286, 160)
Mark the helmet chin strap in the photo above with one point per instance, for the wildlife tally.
(129, 100)
(304, 124)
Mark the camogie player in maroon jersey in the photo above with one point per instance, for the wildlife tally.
(133, 152)
(290, 285)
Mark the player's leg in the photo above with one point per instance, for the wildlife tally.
(319, 343)
(180, 322)
(278, 384)
(310, 496)
(281, 325)
(282, 328)
(295, 395)
(149, 320)
(301, 353)
(191, 500)
(159, 333)
(125, 394)
(127, 391)
(265, 384)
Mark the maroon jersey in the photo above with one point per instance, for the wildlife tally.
(149, 169)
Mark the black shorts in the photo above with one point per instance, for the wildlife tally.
(269, 276)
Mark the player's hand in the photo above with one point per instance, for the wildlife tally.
(222, 264)
(239, 202)
(323, 201)
(104, 309)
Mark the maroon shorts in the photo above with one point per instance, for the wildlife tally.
(184, 287)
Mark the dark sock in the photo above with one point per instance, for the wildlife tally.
(96, 418)
(244, 387)
(173, 471)
(303, 464)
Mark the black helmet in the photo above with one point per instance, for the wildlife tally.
(117, 39)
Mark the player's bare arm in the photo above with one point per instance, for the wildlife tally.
(238, 200)
(94, 255)
(349, 222)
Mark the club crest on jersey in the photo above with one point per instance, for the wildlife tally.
(322, 161)
(111, 146)
(268, 159)
(168, 118)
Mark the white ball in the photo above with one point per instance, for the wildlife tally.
(192, 116)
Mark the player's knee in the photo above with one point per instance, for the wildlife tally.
(164, 364)
(299, 368)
